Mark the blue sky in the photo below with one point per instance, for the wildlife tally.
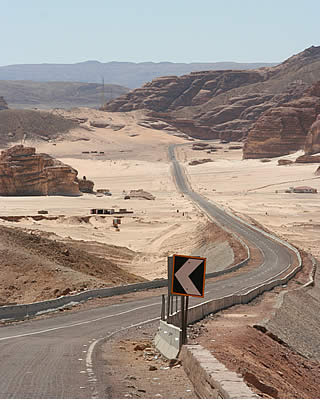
(69, 31)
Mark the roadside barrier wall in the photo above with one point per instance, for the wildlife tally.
(244, 296)
(167, 339)
(198, 312)
(213, 306)
(210, 378)
(22, 311)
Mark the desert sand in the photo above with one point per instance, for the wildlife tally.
(256, 190)
(133, 157)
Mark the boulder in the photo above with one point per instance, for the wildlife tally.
(25, 173)
(99, 123)
(116, 127)
(85, 186)
(307, 159)
(141, 194)
(202, 161)
(284, 162)
(200, 146)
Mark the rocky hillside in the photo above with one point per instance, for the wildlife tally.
(25, 173)
(286, 128)
(15, 125)
(223, 104)
(35, 268)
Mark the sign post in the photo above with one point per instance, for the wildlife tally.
(170, 298)
(186, 277)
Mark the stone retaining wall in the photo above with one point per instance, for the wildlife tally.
(210, 378)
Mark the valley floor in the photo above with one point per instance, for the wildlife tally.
(135, 157)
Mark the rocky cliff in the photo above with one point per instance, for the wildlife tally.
(222, 104)
(25, 173)
(170, 92)
(3, 104)
(285, 128)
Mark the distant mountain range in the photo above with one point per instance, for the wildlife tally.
(44, 95)
(127, 74)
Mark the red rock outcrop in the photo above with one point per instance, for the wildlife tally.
(25, 173)
(85, 185)
(283, 129)
(307, 159)
(141, 194)
(284, 162)
(3, 104)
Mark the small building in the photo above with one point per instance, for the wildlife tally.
(304, 189)
(102, 211)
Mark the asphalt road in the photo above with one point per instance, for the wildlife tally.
(58, 357)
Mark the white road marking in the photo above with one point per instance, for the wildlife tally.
(76, 324)
(92, 377)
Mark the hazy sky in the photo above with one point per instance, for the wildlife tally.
(68, 31)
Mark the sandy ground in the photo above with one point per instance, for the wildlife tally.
(256, 190)
(156, 228)
(130, 158)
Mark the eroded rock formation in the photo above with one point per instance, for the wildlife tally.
(284, 129)
(85, 185)
(308, 159)
(141, 194)
(222, 104)
(170, 92)
(25, 173)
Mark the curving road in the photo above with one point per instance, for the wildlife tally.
(58, 358)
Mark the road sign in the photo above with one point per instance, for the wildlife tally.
(188, 276)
